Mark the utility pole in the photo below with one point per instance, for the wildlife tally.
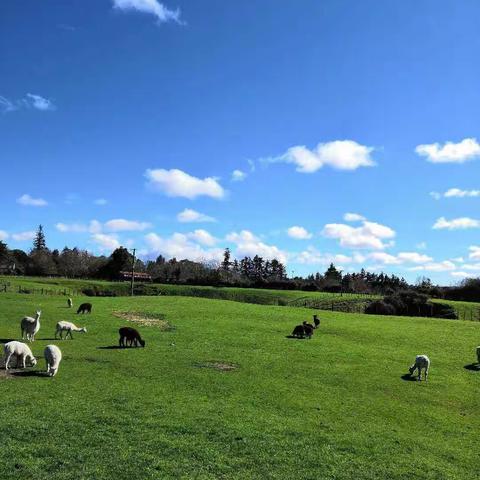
(133, 272)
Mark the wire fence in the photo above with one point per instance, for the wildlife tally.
(67, 292)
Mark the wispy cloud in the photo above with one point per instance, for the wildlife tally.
(339, 154)
(30, 100)
(28, 200)
(192, 216)
(152, 7)
(461, 223)
(122, 225)
(238, 176)
(449, 152)
(176, 183)
(100, 201)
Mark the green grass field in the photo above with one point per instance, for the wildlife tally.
(333, 407)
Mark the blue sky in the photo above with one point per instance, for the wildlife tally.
(351, 128)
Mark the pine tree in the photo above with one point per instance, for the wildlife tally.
(226, 260)
(39, 242)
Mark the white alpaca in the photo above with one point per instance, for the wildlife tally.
(30, 326)
(421, 362)
(478, 354)
(68, 327)
(21, 351)
(70, 303)
(53, 357)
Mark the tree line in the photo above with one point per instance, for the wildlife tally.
(245, 272)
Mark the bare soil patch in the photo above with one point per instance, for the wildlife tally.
(217, 365)
(146, 319)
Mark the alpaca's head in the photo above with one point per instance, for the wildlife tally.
(33, 361)
(142, 342)
(411, 369)
(83, 329)
(39, 312)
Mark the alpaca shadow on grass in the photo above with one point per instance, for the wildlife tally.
(474, 367)
(111, 347)
(295, 338)
(30, 373)
(48, 339)
(6, 340)
(409, 378)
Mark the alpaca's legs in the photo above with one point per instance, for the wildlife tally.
(426, 374)
(7, 360)
(23, 361)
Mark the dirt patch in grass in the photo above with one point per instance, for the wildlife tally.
(217, 365)
(146, 319)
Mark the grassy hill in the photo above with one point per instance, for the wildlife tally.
(220, 392)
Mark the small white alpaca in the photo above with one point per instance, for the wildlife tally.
(30, 326)
(421, 362)
(68, 327)
(70, 303)
(21, 351)
(53, 357)
(478, 354)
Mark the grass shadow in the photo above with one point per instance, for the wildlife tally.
(30, 373)
(474, 367)
(47, 339)
(408, 378)
(112, 347)
(296, 338)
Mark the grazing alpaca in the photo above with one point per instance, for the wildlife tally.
(21, 351)
(30, 326)
(70, 303)
(316, 321)
(298, 331)
(308, 329)
(85, 308)
(69, 328)
(478, 354)
(128, 334)
(421, 362)
(53, 357)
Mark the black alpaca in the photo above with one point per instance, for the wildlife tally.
(298, 331)
(308, 328)
(85, 308)
(130, 336)
(316, 321)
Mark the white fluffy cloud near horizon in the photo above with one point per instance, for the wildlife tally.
(449, 152)
(188, 215)
(338, 154)
(29, 201)
(177, 183)
(461, 223)
(299, 233)
(248, 244)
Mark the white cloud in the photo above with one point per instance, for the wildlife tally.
(339, 154)
(247, 244)
(463, 274)
(6, 105)
(122, 225)
(384, 258)
(456, 192)
(38, 102)
(311, 256)
(421, 245)
(474, 252)
(238, 176)
(27, 200)
(106, 242)
(414, 257)
(298, 233)
(93, 227)
(436, 195)
(370, 235)
(192, 216)
(23, 236)
(202, 237)
(467, 149)
(152, 7)
(444, 266)
(353, 217)
(100, 201)
(176, 183)
(181, 247)
(475, 267)
(461, 223)
(3, 235)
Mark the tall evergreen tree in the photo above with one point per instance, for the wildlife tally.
(39, 242)
(226, 260)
